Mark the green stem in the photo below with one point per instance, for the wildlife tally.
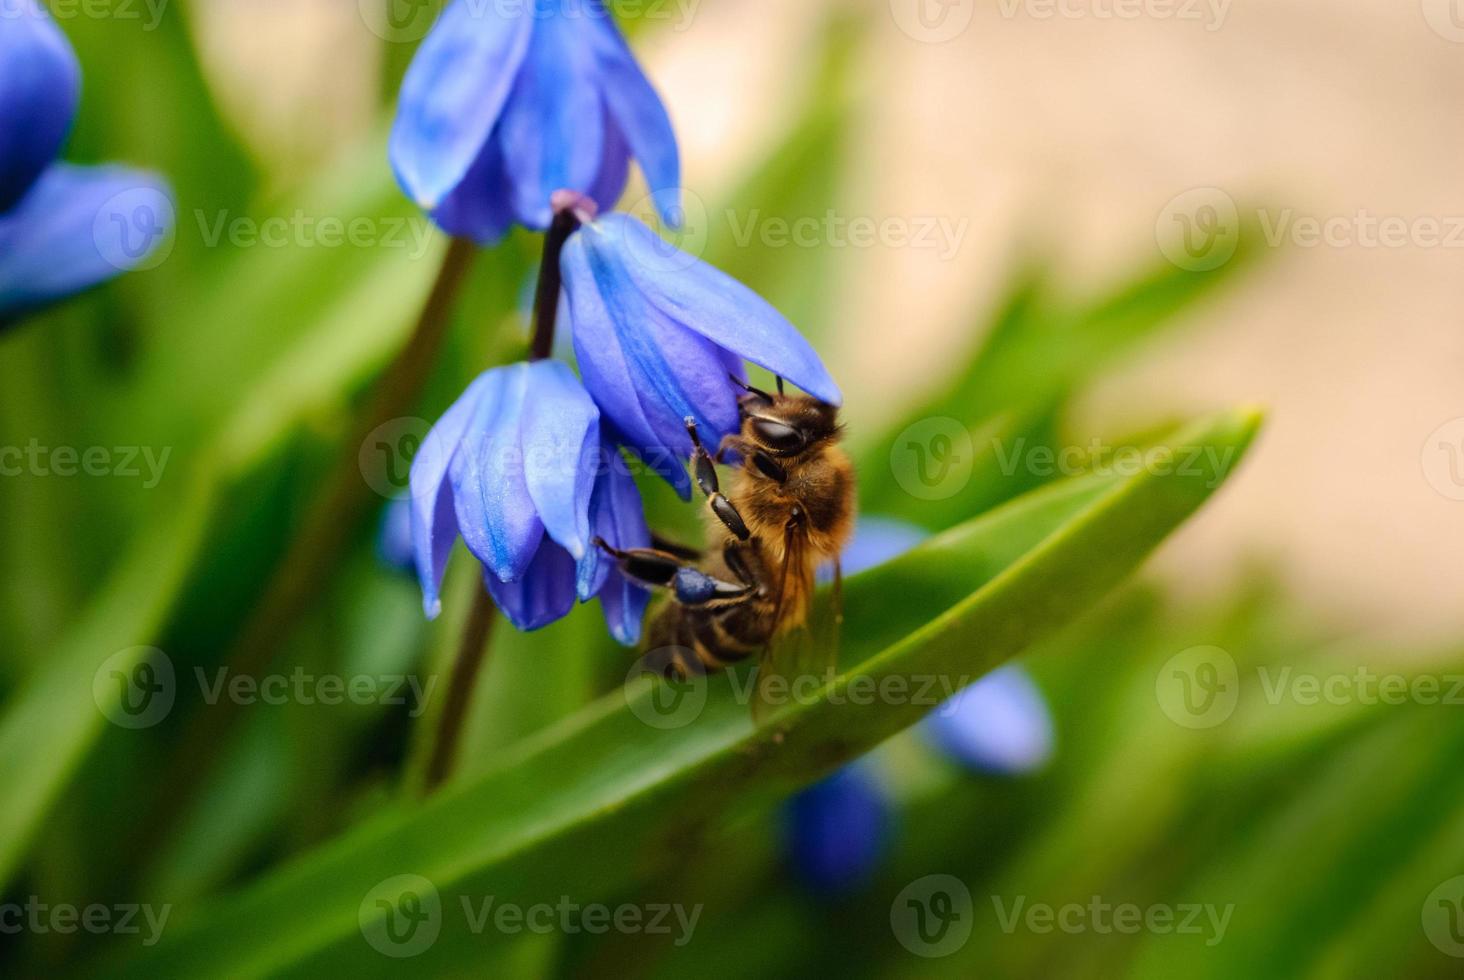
(472, 652)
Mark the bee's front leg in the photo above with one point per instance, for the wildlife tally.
(706, 479)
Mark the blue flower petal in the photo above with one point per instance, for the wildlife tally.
(708, 301)
(702, 383)
(494, 509)
(552, 133)
(838, 829)
(543, 594)
(617, 515)
(639, 114)
(78, 226)
(560, 436)
(603, 307)
(479, 207)
(609, 185)
(662, 360)
(624, 606)
(454, 93)
(40, 85)
(434, 513)
(1000, 724)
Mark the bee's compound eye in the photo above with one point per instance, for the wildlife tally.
(777, 436)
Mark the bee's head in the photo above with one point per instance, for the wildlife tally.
(785, 425)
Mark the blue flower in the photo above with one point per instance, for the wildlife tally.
(513, 467)
(394, 536)
(656, 334)
(838, 829)
(62, 228)
(508, 101)
(999, 725)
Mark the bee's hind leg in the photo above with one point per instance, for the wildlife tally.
(684, 552)
(690, 585)
(706, 479)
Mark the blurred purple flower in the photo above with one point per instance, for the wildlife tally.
(508, 102)
(394, 536)
(999, 725)
(514, 468)
(657, 332)
(63, 228)
(838, 829)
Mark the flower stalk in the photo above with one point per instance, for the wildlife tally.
(570, 210)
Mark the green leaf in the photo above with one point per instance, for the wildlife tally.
(50, 724)
(618, 791)
(281, 368)
(1310, 865)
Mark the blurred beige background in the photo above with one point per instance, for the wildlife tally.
(1084, 119)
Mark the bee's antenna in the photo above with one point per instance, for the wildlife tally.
(780, 384)
(755, 391)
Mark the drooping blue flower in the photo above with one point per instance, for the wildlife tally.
(999, 725)
(838, 829)
(656, 334)
(514, 468)
(62, 228)
(506, 103)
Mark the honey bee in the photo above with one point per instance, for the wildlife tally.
(789, 509)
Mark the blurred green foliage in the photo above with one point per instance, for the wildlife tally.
(1323, 828)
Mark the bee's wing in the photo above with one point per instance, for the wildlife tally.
(799, 660)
